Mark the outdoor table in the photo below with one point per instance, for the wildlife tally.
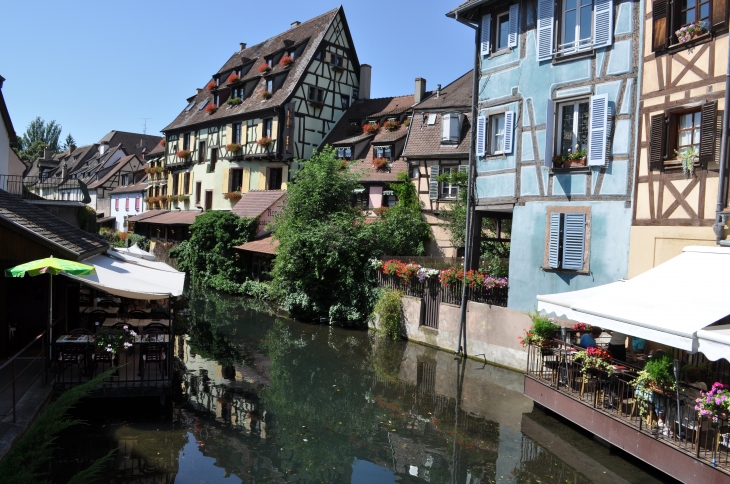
(137, 323)
(78, 340)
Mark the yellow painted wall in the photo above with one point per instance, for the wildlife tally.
(651, 246)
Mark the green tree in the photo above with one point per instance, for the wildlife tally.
(68, 142)
(455, 216)
(322, 267)
(39, 135)
(402, 229)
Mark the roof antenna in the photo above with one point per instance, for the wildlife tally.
(144, 125)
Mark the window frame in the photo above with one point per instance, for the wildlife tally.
(270, 177)
(491, 126)
(320, 95)
(557, 141)
(236, 174)
(186, 183)
(267, 128)
(585, 270)
(361, 198)
(495, 40)
(236, 133)
(383, 148)
(444, 186)
(588, 46)
(186, 141)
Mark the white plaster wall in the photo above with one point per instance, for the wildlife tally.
(122, 212)
(4, 149)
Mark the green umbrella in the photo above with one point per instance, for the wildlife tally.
(50, 266)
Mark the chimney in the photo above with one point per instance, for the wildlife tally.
(438, 90)
(103, 147)
(197, 91)
(63, 171)
(243, 46)
(365, 75)
(71, 149)
(47, 154)
(420, 90)
(296, 23)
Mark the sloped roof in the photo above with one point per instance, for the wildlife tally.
(157, 150)
(255, 202)
(5, 114)
(137, 187)
(133, 143)
(172, 218)
(121, 163)
(368, 173)
(267, 245)
(458, 94)
(310, 32)
(48, 228)
(425, 140)
(146, 215)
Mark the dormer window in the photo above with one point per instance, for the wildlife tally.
(344, 153)
(451, 128)
(270, 63)
(292, 54)
(431, 119)
(337, 61)
(270, 85)
(383, 152)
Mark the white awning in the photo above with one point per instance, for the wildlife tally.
(161, 266)
(668, 304)
(714, 342)
(132, 280)
(135, 251)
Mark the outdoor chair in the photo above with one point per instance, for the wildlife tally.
(153, 352)
(137, 314)
(69, 355)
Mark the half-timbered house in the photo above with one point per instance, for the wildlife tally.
(268, 105)
(680, 113)
(555, 137)
(126, 171)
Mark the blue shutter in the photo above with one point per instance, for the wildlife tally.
(481, 138)
(574, 235)
(598, 130)
(340, 152)
(549, 128)
(348, 152)
(433, 184)
(509, 128)
(602, 23)
(514, 25)
(545, 22)
(486, 34)
(554, 241)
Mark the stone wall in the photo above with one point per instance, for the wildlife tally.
(491, 331)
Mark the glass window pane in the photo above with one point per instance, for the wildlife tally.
(569, 27)
(685, 138)
(571, 4)
(503, 32)
(586, 21)
(685, 121)
(688, 16)
(698, 118)
(583, 122)
(566, 129)
(696, 136)
(704, 11)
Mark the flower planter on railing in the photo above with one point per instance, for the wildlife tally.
(233, 78)
(369, 128)
(234, 101)
(184, 154)
(264, 69)
(264, 142)
(233, 196)
(286, 61)
(233, 147)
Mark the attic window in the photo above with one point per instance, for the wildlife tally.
(431, 119)
(203, 104)
(451, 128)
(337, 61)
(190, 106)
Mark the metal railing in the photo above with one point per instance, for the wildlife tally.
(38, 188)
(650, 410)
(496, 296)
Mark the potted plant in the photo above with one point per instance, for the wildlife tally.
(174, 198)
(184, 198)
(369, 128)
(576, 158)
(581, 328)
(657, 376)
(160, 170)
(233, 196)
(113, 340)
(714, 403)
(594, 359)
(264, 142)
(266, 95)
(162, 142)
(183, 154)
(211, 108)
(149, 169)
(286, 61)
(233, 147)
(164, 198)
(541, 330)
(264, 68)
(391, 125)
(451, 277)
(689, 32)
(233, 78)
(381, 163)
(234, 101)
(688, 158)
(211, 86)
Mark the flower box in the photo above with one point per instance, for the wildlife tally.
(264, 142)
(183, 154)
(233, 78)
(391, 125)
(211, 86)
(233, 147)
(233, 196)
(266, 95)
(691, 31)
(184, 198)
(286, 61)
(407, 122)
(264, 68)
(149, 169)
(234, 101)
(574, 163)
(369, 128)
(164, 198)
(174, 198)
(381, 163)
(160, 170)
(211, 108)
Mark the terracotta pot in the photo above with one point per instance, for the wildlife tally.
(575, 163)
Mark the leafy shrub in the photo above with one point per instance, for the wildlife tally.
(389, 309)
(141, 241)
(87, 219)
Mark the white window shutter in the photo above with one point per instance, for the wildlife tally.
(481, 135)
(445, 127)
(554, 241)
(514, 25)
(574, 236)
(486, 33)
(509, 128)
(454, 128)
(433, 184)
(549, 128)
(602, 23)
(598, 131)
(545, 22)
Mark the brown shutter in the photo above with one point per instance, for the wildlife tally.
(719, 14)
(657, 142)
(660, 25)
(288, 130)
(708, 131)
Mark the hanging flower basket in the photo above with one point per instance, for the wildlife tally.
(369, 128)
(264, 142)
(183, 154)
(381, 163)
(286, 61)
(391, 125)
(266, 95)
(233, 78)
(234, 101)
(211, 85)
(233, 147)
(233, 196)
(211, 108)
(264, 68)
(160, 170)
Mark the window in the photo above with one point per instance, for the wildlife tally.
(267, 132)
(235, 180)
(689, 131)
(175, 182)
(270, 62)
(344, 101)
(451, 128)
(505, 29)
(337, 61)
(496, 134)
(502, 31)
(668, 17)
(198, 191)
(355, 95)
(448, 190)
(344, 153)
(675, 132)
(566, 239)
(581, 25)
(216, 99)
(236, 133)
(137, 203)
(573, 127)
(116, 204)
(361, 198)
(125, 179)
(201, 152)
(186, 141)
(270, 85)
(577, 20)
(415, 171)
(251, 134)
(316, 95)
(186, 183)
(203, 104)
(692, 10)
(383, 152)
(431, 119)
(389, 198)
(274, 179)
(213, 159)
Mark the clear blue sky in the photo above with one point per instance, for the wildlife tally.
(94, 66)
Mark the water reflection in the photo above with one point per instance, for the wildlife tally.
(269, 400)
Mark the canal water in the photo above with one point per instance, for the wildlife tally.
(265, 399)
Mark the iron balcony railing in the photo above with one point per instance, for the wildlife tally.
(496, 296)
(38, 188)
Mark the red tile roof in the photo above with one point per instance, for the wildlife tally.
(368, 172)
(267, 245)
(174, 218)
(146, 215)
(117, 166)
(255, 202)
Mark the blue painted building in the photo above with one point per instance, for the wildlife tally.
(555, 136)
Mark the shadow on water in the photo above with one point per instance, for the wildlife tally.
(264, 399)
